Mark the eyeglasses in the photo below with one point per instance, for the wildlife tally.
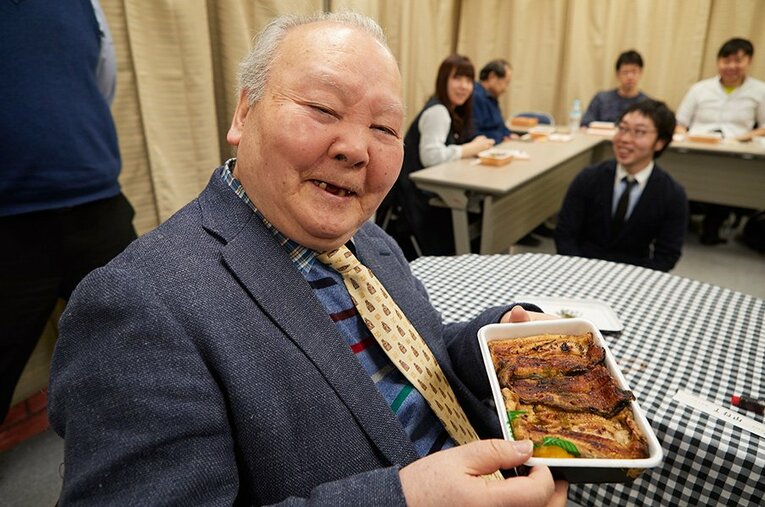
(638, 133)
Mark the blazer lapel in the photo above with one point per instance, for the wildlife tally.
(379, 263)
(265, 270)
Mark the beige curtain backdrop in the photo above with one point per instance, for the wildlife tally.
(177, 60)
(561, 50)
(176, 90)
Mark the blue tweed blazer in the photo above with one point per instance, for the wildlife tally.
(198, 367)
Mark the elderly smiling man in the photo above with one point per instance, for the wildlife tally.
(221, 360)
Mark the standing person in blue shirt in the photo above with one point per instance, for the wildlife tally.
(487, 116)
(609, 105)
(61, 210)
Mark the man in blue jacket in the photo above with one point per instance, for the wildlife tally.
(494, 79)
(487, 116)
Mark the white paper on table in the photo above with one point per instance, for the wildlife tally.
(728, 415)
(520, 155)
(517, 155)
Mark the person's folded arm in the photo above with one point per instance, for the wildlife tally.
(758, 132)
(593, 111)
(685, 112)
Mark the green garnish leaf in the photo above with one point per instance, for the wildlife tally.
(511, 415)
(567, 446)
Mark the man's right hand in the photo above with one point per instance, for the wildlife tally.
(454, 477)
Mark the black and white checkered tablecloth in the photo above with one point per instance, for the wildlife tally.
(678, 334)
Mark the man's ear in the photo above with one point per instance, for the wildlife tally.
(234, 134)
(660, 143)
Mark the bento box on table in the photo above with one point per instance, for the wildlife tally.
(556, 383)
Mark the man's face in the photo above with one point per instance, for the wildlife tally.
(733, 68)
(628, 76)
(496, 85)
(635, 141)
(322, 147)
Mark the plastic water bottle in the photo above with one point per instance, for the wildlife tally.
(575, 117)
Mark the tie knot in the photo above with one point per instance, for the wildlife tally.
(341, 260)
(629, 182)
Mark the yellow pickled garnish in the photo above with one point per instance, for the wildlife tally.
(551, 451)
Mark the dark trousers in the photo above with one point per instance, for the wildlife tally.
(44, 256)
(715, 216)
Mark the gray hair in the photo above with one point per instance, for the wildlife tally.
(256, 66)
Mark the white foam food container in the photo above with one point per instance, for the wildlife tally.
(704, 137)
(602, 125)
(574, 470)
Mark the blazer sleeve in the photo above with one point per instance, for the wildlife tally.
(572, 217)
(669, 241)
(144, 418)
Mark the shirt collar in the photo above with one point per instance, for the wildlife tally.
(302, 257)
(725, 88)
(641, 177)
(479, 88)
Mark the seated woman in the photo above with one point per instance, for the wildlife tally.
(440, 133)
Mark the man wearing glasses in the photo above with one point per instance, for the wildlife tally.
(628, 209)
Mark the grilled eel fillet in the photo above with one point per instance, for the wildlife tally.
(617, 437)
(544, 355)
(594, 391)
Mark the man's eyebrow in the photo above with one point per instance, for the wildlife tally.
(324, 79)
(392, 107)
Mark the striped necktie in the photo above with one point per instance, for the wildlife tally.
(401, 342)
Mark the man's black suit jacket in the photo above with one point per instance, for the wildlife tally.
(653, 234)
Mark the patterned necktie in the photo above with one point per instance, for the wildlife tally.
(401, 342)
(624, 202)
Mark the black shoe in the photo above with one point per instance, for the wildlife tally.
(544, 231)
(529, 240)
